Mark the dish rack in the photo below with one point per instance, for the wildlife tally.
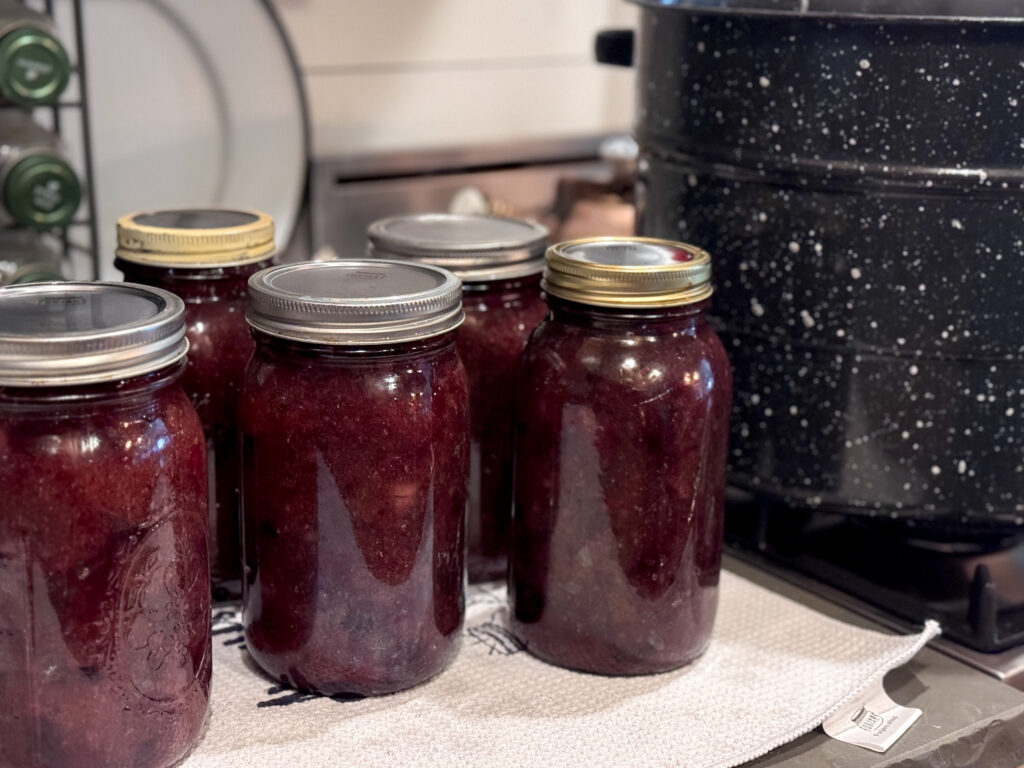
(69, 119)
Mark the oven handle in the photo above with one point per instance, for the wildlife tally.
(615, 47)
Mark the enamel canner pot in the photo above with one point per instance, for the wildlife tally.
(856, 170)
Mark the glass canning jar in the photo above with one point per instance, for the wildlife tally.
(206, 258)
(624, 399)
(355, 434)
(499, 261)
(104, 604)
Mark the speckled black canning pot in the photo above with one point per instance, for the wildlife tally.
(859, 180)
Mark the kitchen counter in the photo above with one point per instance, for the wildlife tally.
(970, 719)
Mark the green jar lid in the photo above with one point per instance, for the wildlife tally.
(34, 67)
(42, 191)
(36, 273)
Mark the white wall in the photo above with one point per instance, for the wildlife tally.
(406, 74)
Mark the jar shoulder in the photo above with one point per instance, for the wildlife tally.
(137, 427)
(302, 391)
(219, 337)
(578, 360)
(343, 370)
(106, 467)
(513, 302)
(515, 319)
(495, 337)
(230, 310)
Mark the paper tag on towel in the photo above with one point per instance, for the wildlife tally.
(872, 720)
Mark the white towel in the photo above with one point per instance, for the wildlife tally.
(774, 671)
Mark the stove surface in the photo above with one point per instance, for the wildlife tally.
(975, 590)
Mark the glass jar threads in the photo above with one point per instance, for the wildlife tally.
(624, 399)
(355, 424)
(499, 261)
(206, 258)
(104, 600)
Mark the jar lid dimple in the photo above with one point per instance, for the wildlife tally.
(63, 334)
(195, 238)
(476, 248)
(355, 302)
(639, 272)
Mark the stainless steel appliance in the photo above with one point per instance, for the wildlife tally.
(528, 181)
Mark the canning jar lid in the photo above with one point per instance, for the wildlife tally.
(355, 302)
(195, 238)
(475, 248)
(641, 272)
(60, 334)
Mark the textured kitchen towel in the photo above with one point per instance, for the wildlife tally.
(775, 670)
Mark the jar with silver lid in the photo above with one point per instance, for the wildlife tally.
(354, 416)
(104, 603)
(622, 422)
(499, 261)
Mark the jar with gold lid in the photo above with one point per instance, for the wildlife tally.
(206, 256)
(623, 414)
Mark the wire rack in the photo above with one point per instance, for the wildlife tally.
(80, 238)
(69, 119)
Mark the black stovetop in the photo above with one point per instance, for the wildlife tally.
(975, 590)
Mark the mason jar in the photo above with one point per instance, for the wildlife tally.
(355, 452)
(104, 602)
(206, 257)
(499, 261)
(623, 417)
